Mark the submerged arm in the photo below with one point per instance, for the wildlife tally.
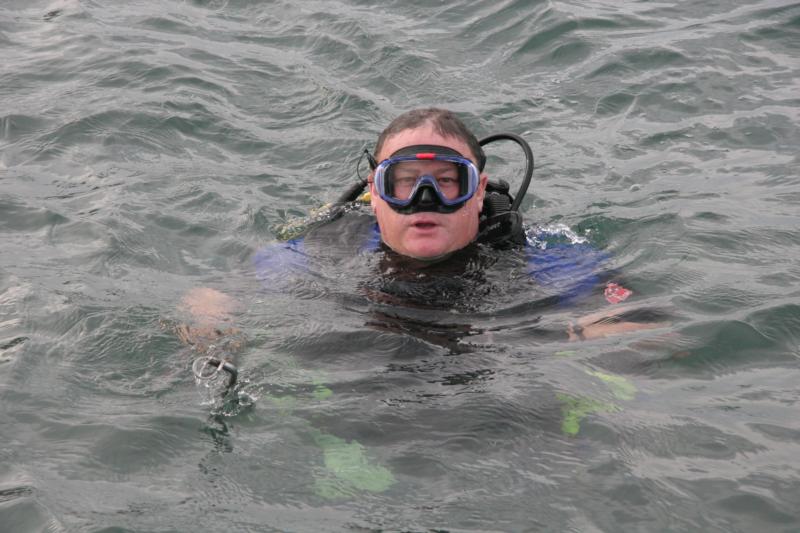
(616, 321)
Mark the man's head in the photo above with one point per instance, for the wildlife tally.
(425, 234)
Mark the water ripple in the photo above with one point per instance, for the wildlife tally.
(149, 148)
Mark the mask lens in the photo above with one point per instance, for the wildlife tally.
(452, 178)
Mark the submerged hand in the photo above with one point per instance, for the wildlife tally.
(608, 323)
(210, 313)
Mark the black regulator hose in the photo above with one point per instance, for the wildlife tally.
(529, 162)
(352, 193)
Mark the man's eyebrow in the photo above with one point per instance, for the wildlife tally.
(435, 165)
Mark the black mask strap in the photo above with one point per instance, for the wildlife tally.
(370, 159)
(426, 149)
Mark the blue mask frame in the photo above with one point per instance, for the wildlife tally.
(426, 194)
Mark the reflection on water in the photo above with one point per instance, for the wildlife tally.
(152, 148)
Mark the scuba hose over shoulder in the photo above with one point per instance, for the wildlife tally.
(501, 222)
(526, 179)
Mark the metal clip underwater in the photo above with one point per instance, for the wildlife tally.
(207, 367)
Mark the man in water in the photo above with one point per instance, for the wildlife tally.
(427, 191)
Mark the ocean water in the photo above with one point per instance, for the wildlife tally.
(148, 148)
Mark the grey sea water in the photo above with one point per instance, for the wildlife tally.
(151, 147)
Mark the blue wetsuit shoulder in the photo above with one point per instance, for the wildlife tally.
(571, 270)
(280, 258)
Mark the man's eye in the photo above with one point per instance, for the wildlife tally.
(405, 181)
(447, 180)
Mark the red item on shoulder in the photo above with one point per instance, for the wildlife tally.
(616, 293)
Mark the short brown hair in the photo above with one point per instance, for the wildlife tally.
(445, 122)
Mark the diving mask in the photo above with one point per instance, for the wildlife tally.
(426, 178)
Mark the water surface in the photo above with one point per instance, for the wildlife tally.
(154, 147)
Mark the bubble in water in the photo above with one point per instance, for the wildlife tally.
(211, 390)
(541, 236)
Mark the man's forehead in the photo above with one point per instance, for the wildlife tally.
(423, 136)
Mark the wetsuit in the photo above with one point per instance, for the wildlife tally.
(566, 269)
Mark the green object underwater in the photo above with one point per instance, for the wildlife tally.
(621, 388)
(575, 408)
(348, 469)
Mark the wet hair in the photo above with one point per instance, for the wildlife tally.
(445, 122)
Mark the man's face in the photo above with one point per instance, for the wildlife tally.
(427, 235)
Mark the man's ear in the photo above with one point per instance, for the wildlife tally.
(481, 192)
